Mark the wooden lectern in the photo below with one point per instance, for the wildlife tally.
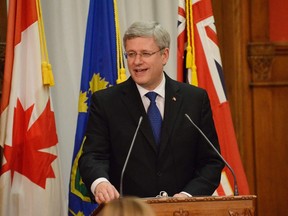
(211, 205)
(196, 206)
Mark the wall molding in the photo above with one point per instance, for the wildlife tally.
(281, 49)
(260, 59)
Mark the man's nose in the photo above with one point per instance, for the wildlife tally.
(138, 58)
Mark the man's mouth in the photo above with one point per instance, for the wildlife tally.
(140, 70)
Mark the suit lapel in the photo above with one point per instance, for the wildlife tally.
(132, 100)
(173, 101)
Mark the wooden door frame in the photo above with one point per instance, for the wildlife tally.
(233, 19)
(3, 30)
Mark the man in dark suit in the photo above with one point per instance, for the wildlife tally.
(180, 162)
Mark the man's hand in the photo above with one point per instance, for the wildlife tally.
(180, 195)
(105, 192)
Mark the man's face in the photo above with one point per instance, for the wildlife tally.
(146, 61)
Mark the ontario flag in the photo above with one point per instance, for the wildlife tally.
(30, 181)
(199, 63)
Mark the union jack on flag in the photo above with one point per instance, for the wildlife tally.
(199, 63)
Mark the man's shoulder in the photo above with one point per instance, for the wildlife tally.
(111, 90)
(185, 87)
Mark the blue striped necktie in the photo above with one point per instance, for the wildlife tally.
(154, 116)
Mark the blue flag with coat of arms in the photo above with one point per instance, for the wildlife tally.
(102, 67)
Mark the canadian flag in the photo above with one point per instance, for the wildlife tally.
(30, 180)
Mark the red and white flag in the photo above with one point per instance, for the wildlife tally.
(199, 63)
(30, 180)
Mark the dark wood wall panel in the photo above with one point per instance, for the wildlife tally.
(3, 27)
(256, 76)
(270, 107)
(271, 138)
(259, 20)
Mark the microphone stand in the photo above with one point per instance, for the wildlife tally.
(236, 193)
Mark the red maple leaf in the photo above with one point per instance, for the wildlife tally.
(24, 155)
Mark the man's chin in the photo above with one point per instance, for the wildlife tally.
(140, 80)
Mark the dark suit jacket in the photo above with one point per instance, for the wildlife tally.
(184, 161)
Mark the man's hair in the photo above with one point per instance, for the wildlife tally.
(148, 29)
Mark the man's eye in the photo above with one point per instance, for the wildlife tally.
(131, 55)
(146, 54)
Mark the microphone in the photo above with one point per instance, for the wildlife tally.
(128, 156)
(236, 193)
